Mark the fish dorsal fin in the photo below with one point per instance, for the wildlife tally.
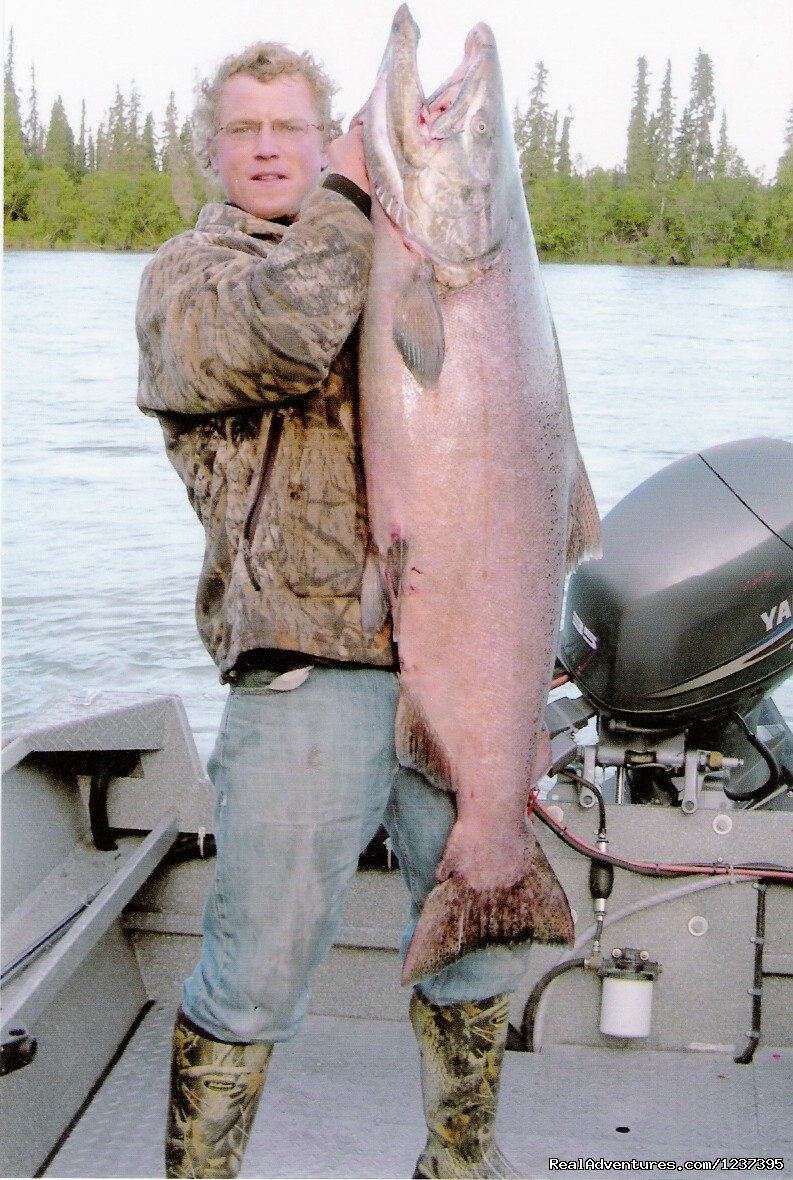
(418, 330)
(583, 526)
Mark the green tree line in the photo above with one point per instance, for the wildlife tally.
(683, 194)
(129, 187)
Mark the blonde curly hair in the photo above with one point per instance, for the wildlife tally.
(264, 61)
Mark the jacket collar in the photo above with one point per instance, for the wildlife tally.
(230, 216)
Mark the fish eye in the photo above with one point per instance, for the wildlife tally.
(480, 124)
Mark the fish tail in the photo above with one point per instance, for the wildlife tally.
(458, 918)
(583, 526)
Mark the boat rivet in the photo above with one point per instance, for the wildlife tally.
(722, 824)
(698, 926)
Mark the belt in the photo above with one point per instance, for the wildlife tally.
(280, 660)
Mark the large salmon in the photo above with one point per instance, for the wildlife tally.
(477, 495)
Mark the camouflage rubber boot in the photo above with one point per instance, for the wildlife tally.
(462, 1048)
(215, 1090)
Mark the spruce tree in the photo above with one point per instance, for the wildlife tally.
(9, 87)
(564, 165)
(637, 161)
(17, 184)
(684, 152)
(661, 134)
(694, 145)
(139, 150)
(34, 129)
(132, 130)
(727, 162)
(778, 205)
(703, 111)
(149, 145)
(535, 132)
(81, 150)
(551, 145)
(177, 164)
(59, 149)
(170, 135)
(785, 164)
(112, 155)
(100, 153)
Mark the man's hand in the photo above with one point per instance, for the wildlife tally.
(346, 157)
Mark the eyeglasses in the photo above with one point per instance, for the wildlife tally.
(283, 130)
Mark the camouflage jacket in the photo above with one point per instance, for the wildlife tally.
(246, 359)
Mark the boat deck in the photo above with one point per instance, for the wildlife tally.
(342, 1100)
(110, 929)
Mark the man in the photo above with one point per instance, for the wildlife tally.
(246, 330)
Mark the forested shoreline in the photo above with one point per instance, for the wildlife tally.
(683, 195)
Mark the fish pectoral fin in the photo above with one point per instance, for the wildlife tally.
(418, 330)
(374, 603)
(583, 524)
(457, 918)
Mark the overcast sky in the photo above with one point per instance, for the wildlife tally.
(82, 49)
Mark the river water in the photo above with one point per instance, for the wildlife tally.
(102, 551)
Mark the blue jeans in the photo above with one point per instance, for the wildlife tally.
(303, 779)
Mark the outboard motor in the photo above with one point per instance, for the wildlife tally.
(682, 629)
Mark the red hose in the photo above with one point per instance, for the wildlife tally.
(783, 876)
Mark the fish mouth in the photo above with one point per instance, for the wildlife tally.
(432, 161)
(447, 106)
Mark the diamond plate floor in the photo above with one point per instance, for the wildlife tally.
(342, 1101)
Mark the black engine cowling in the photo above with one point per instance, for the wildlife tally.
(689, 613)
